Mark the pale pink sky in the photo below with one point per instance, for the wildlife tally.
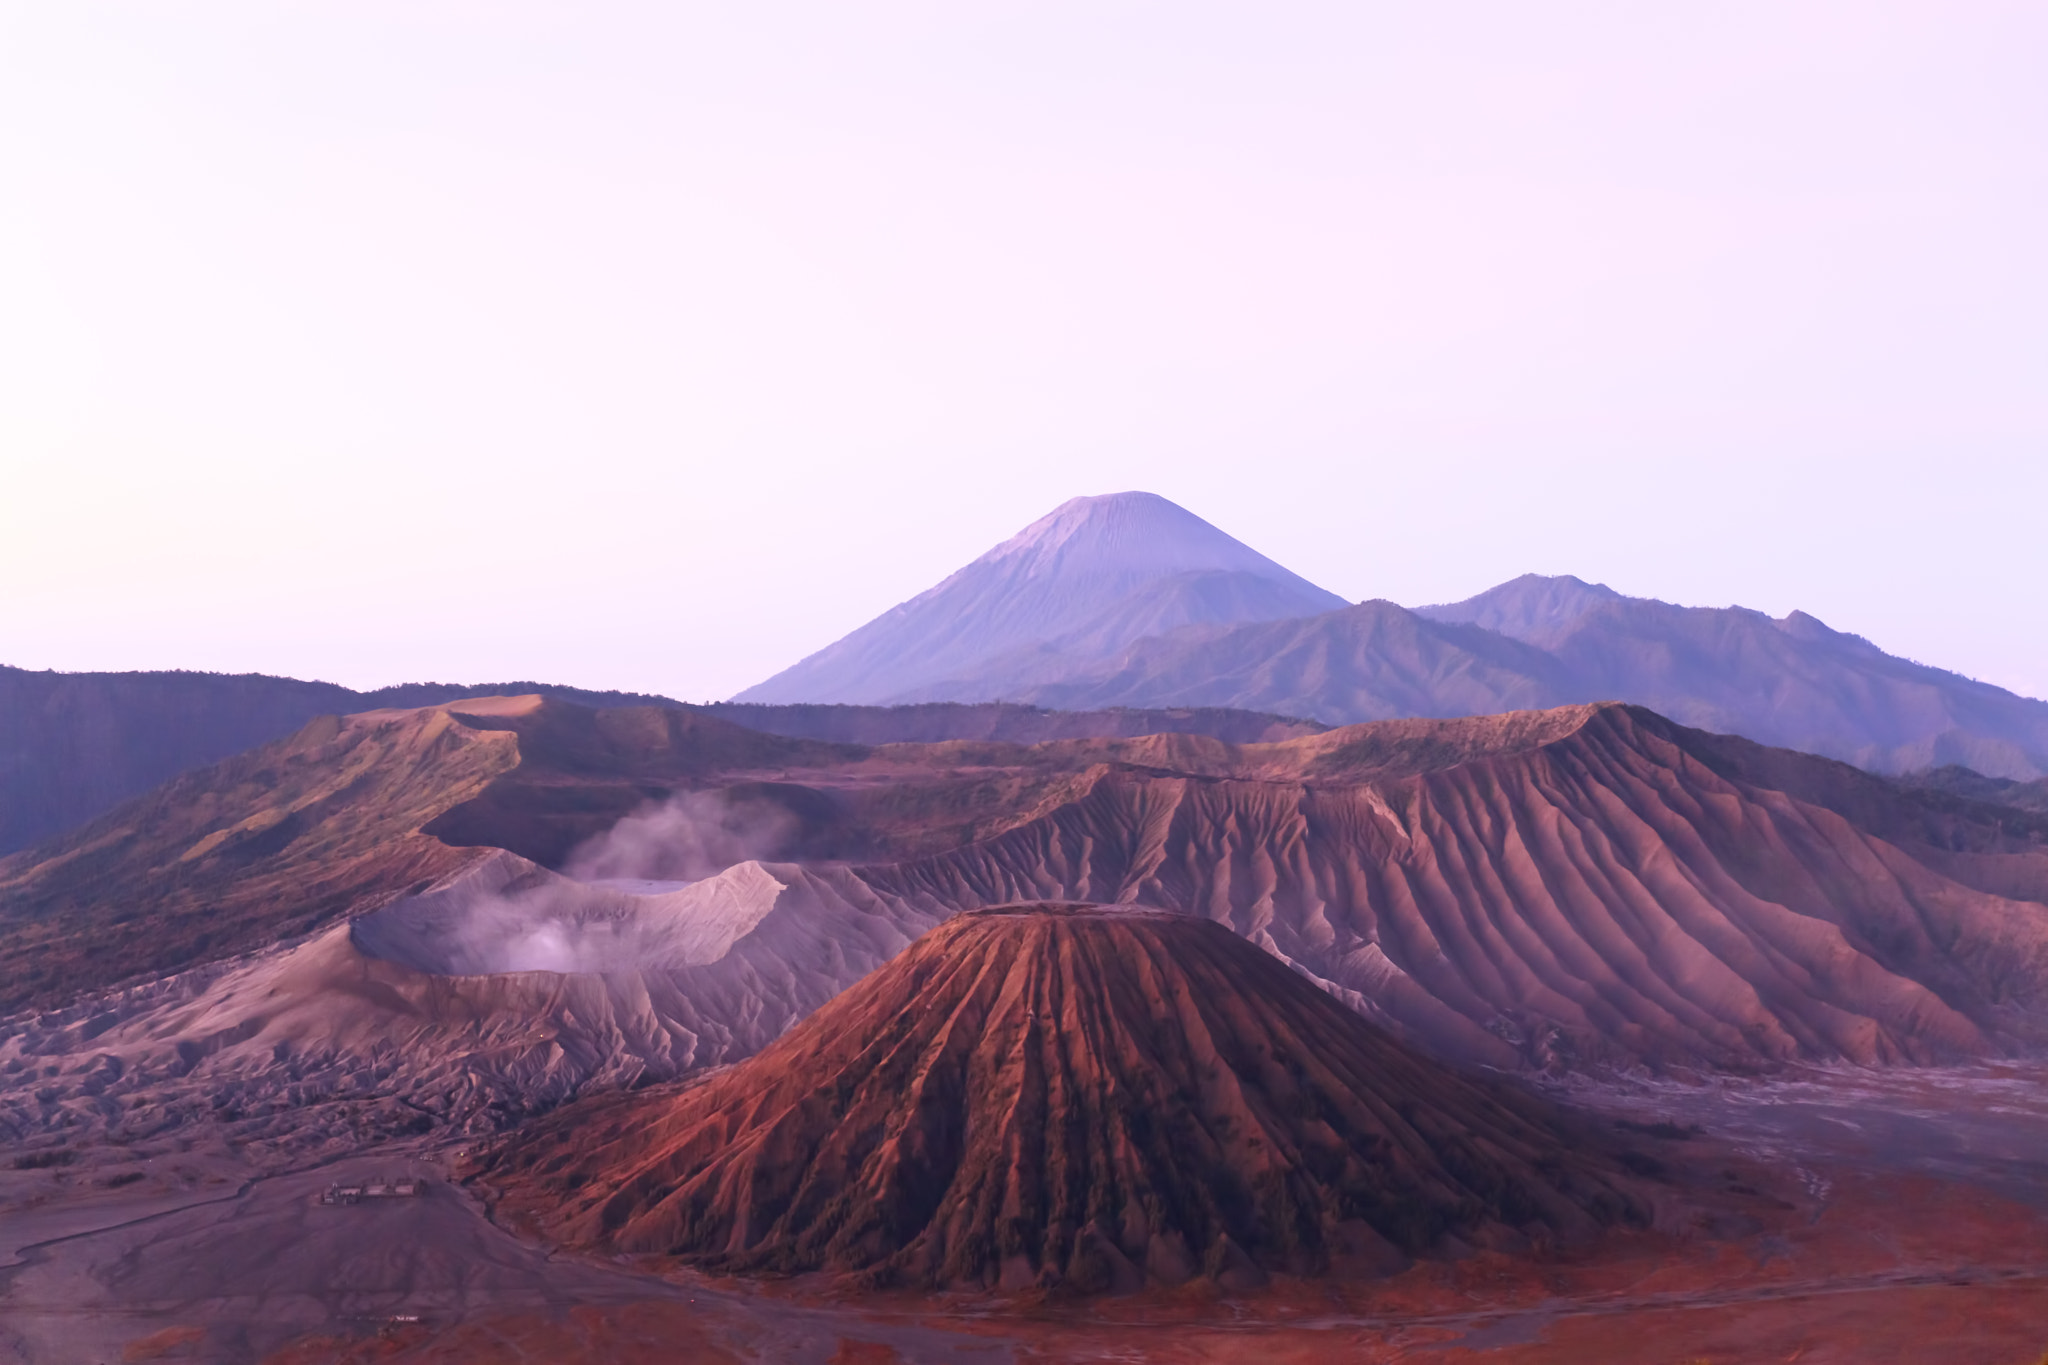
(654, 346)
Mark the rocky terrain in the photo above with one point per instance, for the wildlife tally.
(75, 745)
(1069, 1096)
(324, 1044)
(408, 931)
(453, 916)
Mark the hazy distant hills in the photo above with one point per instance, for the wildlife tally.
(1794, 683)
(1064, 617)
(1960, 781)
(1072, 587)
(72, 745)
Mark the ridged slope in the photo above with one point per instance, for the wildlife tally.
(1603, 886)
(347, 814)
(1063, 1096)
(263, 846)
(75, 745)
(376, 1024)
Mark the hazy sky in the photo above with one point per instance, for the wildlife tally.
(655, 346)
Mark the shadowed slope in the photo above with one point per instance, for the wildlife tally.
(75, 745)
(264, 846)
(1971, 785)
(1059, 1095)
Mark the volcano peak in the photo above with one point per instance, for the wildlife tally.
(1084, 580)
(1068, 1095)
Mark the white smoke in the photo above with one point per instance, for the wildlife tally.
(612, 909)
(684, 839)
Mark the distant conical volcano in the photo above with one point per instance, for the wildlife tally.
(1080, 583)
(1067, 1096)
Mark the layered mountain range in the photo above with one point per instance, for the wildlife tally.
(1061, 616)
(461, 912)
(1126, 615)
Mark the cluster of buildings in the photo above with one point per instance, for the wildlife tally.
(376, 1187)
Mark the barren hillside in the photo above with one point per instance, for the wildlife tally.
(1042, 1096)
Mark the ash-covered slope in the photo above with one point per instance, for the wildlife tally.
(75, 745)
(1092, 576)
(1068, 1096)
(1566, 888)
(347, 814)
(1536, 642)
(504, 990)
(262, 847)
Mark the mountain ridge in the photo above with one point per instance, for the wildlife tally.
(1211, 638)
(75, 745)
(1793, 683)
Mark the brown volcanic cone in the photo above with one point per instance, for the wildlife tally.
(1066, 1095)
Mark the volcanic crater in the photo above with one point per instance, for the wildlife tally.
(1073, 1097)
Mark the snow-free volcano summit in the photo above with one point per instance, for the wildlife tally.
(1073, 586)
